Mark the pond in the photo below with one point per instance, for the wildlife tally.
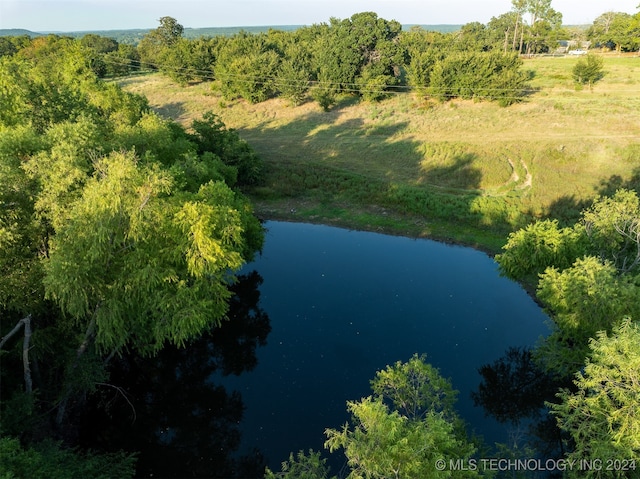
(312, 320)
(344, 304)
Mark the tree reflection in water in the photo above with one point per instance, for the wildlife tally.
(167, 407)
(514, 389)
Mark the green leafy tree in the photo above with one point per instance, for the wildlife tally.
(211, 135)
(52, 81)
(301, 466)
(544, 20)
(116, 232)
(99, 46)
(500, 31)
(588, 297)
(152, 270)
(98, 43)
(325, 95)
(423, 50)
(405, 428)
(612, 225)
(587, 274)
(20, 291)
(169, 32)
(247, 67)
(589, 70)
(634, 33)
(531, 250)
(49, 460)
(519, 7)
(177, 61)
(359, 55)
(123, 61)
(613, 30)
(295, 73)
(603, 414)
(473, 36)
(414, 388)
(7, 47)
(480, 75)
(155, 44)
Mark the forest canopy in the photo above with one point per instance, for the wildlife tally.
(120, 232)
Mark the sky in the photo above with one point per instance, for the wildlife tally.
(82, 15)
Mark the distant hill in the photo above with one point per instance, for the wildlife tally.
(445, 28)
(17, 32)
(133, 36)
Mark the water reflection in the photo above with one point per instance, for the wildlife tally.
(169, 409)
(345, 304)
(514, 390)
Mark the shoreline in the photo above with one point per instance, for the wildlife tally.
(377, 219)
(389, 223)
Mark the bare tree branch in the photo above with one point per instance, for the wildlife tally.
(26, 322)
(28, 383)
(121, 391)
(15, 329)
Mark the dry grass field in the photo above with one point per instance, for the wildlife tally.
(463, 170)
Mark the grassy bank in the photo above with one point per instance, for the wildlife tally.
(460, 171)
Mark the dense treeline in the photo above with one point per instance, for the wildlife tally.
(588, 277)
(107, 56)
(364, 55)
(120, 233)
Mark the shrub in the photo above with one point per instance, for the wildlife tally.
(588, 70)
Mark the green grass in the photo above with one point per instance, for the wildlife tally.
(461, 171)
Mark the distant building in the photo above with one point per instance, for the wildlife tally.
(573, 47)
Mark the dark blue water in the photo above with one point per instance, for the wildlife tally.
(344, 304)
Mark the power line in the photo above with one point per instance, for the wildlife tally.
(276, 80)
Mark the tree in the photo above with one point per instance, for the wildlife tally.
(116, 232)
(98, 43)
(612, 30)
(473, 36)
(612, 226)
(404, 428)
(123, 61)
(531, 250)
(52, 461)
(301, 466)
(519, 8)
(169, 31)
(423, 50)
(247, 67)
(588, 297)
(359, 55)
(634, 32)
(154, 44)
(211, 135)
(152, 269)
(543, 20)
(294, 74)
(479, 75)
(414, 388)
(586, 275)
(589, 70)
(603, 415)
